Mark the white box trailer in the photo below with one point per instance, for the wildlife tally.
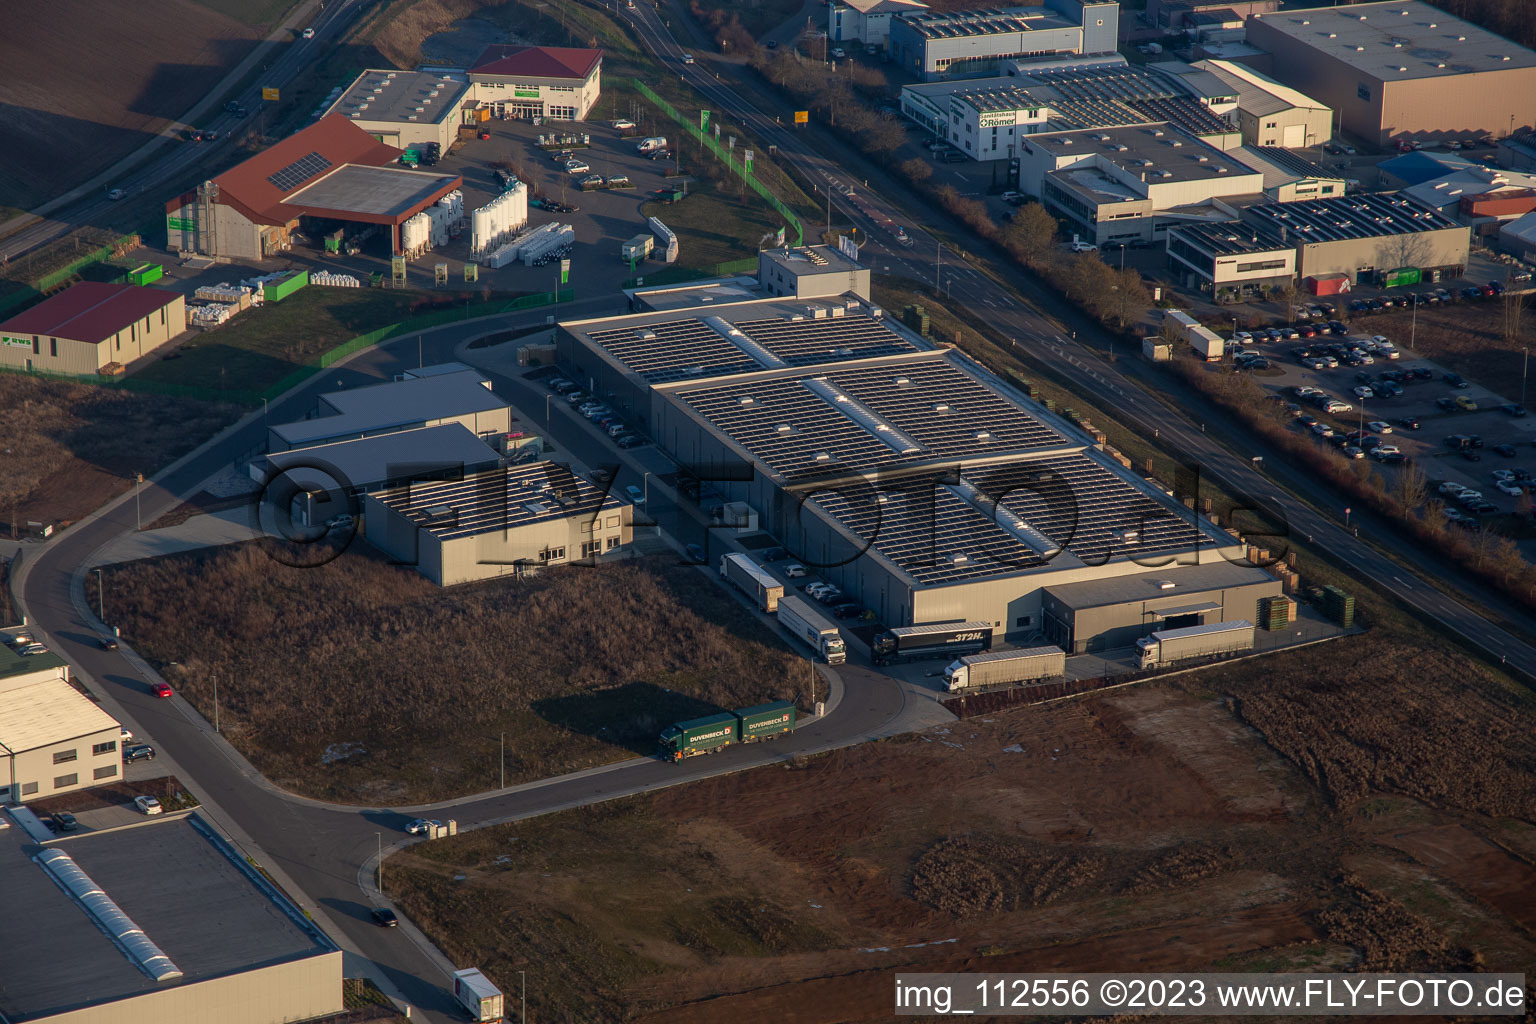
(752, 580)
(1167, 646)
(1206, 343)
(997, 667)
(636, 249)
(810, 627)
(476, 994)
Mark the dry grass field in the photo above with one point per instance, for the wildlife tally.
(86, 83)
(1296, 813)
(361, 681)
(71, 447)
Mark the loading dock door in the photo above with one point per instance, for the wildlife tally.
(1295, 136)
(1182, 621)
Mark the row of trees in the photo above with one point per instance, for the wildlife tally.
(841, 93)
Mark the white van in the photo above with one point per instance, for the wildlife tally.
(652, 144)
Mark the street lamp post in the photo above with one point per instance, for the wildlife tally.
(380, 837)
(138, 513)
(503, 760)
(1525, 364)
(101, 598)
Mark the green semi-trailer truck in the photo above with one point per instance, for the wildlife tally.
(744, 725)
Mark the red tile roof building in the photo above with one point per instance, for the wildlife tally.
(523, 82)
(332, 169)
(91, 326)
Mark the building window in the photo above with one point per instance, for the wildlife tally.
(35, 347)
(106, 771)
(65, 781)
(613, 542)
(591, 547)
(1363, 91)
(28, 788)
(104, 748)
(53, 347)
(586, 527)
(117, 342)
(612, 521)
(552, 555)
(1022, 621)
(1269, 124)
(65, 756)
(162, 316)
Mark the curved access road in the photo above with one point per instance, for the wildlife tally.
(319, 851)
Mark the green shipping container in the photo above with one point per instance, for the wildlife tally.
(1402, 277)
(280, 290)
(764, 720)
(698, 736)
(146, 273)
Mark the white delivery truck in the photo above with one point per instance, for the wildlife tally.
(997, 667)
(1167, 646)
(751, 579)
(476, 994)
(810, 627)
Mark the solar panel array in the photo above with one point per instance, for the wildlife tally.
(298, 172)
(498, 500)
(674, 350)
(948, 25)
(1182, 112)
(1085, 508)
(1008, 517)
(797, 432)
(1366, 215)
(809, 342)
(689, 349)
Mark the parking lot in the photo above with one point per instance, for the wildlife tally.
(1407, 403)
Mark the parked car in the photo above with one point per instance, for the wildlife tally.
(1080, 246)
(1465, 404)
(794, 570)
(384, 917)
(1362, 392)
(148, 804)
(421, 826)
(116, 194)
(635, 494)
(1334, 407)
(695, 553)
(308, 33)
(624, 125)
(1510, 488)
(629, 441)
(1380, 426)
(1506, 450)
(1514, 409)
(139, 752)
(63, 821)
(163, 690)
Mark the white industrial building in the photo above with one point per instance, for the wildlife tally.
(1289, 177)
(405, 109)
(811, 271)
(932, 44)
(987, 118)
(1128, 185)
(504, 522)
(53, 739)
(1361, 236)
(1269, 113)
(524, 82)
(422, 398)
(866, 22)
(1229, 261)
(908, 475)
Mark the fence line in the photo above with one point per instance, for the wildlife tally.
(726, 155)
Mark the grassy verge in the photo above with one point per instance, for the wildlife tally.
(359, 680)
(713, 224)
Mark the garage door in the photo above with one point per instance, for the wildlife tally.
(1295, 136)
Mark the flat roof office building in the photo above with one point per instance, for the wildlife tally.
(1362, 235)
(53, 739)
(1403, 69)
(1229, 261)
(405, 109)
(161, 924)
(866, 22)
(933, 44)
(907, 475)
(1268, 113)
(811, 271)
(504, 522)
(429, 400)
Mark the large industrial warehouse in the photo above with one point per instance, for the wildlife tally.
(330, 173)
(91, 327)
(908, 475)
(1403, 69)
(1363, 234)
(933, 44)
(159, 923)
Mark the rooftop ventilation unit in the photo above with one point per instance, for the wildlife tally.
(902, 382)
(983, 435)
(745, 400)
(958, 558)
(821, 457)
(940, 407)
(783, 428)
(1166, 584)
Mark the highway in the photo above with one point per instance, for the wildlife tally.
(1079, 365)
(178, 158)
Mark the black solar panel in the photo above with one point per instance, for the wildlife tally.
(298, 172)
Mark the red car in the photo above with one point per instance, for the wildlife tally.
(485, 135)
(163, 690)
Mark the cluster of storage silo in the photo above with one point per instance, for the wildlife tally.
(415, 236)
(497, 221)
(433, 227)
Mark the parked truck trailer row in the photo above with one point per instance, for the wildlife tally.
(713, 733)
(931, 640)
(1167, 646)
(997, 668)
(752, 580)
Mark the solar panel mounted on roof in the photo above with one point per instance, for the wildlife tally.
(298, 172)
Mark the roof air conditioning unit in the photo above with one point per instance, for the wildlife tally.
(822, 457)
(783, 428)
(983, 435)
(744, 400)
(959, 558)
(903, 382)
(1166, 584)
(940, 407)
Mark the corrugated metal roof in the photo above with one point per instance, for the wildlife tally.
(91, 311)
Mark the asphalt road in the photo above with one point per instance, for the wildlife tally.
(326, 852)
(178, 157)
(1078, 364)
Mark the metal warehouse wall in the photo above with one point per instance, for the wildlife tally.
(1114, 626)
(1446, 247)
(585, 366)
(1460, 105)
(300, 990)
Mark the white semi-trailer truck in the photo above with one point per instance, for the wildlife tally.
(1167, 646)
(809, 626)
(998, 667)
(754, 581)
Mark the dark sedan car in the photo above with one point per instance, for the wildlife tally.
(385, 918)
(139, 752)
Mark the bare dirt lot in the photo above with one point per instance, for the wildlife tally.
(69, 447)
(360, 680)
(86, 83)
(1471, 338)
(1173, 826)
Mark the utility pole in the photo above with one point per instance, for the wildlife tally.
(101, 598)
(503, 759)
(1524, 366)
(380, 837)
(829, 207)
(215, 702)
(137, 512)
